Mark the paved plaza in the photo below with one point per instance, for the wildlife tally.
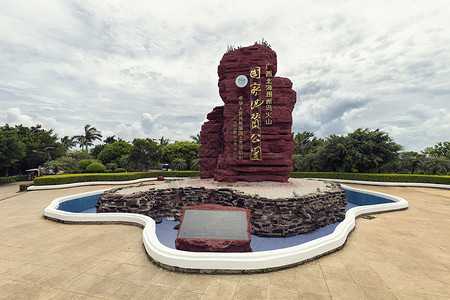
(397, 255)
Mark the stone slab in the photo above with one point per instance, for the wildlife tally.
(214, 228)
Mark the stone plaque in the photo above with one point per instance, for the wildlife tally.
(214, 224)
(214, 228)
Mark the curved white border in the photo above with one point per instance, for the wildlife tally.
(229, 261)
(88, 183)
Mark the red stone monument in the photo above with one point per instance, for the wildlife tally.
(249, 138)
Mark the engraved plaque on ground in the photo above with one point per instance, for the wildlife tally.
(214, 228)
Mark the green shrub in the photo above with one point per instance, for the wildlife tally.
(195, 165)
(72, 178)
(178, 164)
(9, 179)
(120, 170)
(96, 168)
(375, 177)
(84, 163)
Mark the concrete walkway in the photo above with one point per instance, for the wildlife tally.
(397, 255)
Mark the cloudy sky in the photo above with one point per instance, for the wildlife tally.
(149, 68)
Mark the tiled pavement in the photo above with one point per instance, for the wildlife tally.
(397, 255)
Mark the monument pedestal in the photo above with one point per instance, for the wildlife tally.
(214, 228)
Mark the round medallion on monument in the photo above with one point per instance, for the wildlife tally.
(241, 81)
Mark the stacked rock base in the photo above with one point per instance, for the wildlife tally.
(269, 217)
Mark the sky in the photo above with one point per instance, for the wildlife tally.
(149, 68)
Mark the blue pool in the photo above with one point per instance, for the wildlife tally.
(167, 235)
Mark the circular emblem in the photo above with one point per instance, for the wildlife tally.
(241, 81)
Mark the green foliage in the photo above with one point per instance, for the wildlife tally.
(9, 179)
(360, 151)
(79, 154)
(72, 178)
(37, 143)
(113, 152)
(84, 163)
(120, 170)
(441, 149)
(178, 164)
(195, 165)
(231, 48)
(65, 164)
(196, 138)
(306, 142)
(263, 42)
(375, 177)
(12, 148)
(96, 168)
(111, 166)
(68, 143)
(185, 150)
(144, 153)
(90, 135)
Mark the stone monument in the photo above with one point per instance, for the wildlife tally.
(249, 138)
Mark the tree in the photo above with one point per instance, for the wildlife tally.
(90, 135)
(196, 138)
(436, 165)
(113, 152)
(306, 142)
(40, 144)
(144, 152)
(441, 149)
(186, 150)
(360, 151)
(68, 142)
(178, 164)
(163, 142)
(411, 161)
(12, 150)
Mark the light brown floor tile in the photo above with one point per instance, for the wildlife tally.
(156, 292)
(311, 269)
(169, 279)
(336, 274)
(58, 278)
(312, 285)
(103, 268)
(223, 286)
(250, 291)
(344, 290)
(103, 286)
(285, 279)
(279, 293)
(179, 294)
(128, 290)
(194, 283)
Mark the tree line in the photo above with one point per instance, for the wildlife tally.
(23, 148)
(363, 151)
(366, 151)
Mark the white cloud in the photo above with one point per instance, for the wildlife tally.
(146, 68)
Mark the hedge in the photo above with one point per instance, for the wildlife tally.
(71, 178)
(375, 177)
(9, 179)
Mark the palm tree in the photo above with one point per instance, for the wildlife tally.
(196, 138)
(68, 142)
(90, 134)
(163, 142)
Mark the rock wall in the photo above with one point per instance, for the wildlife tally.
(249, 138)
(269, 217)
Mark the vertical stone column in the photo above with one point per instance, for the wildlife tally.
(255, 142)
